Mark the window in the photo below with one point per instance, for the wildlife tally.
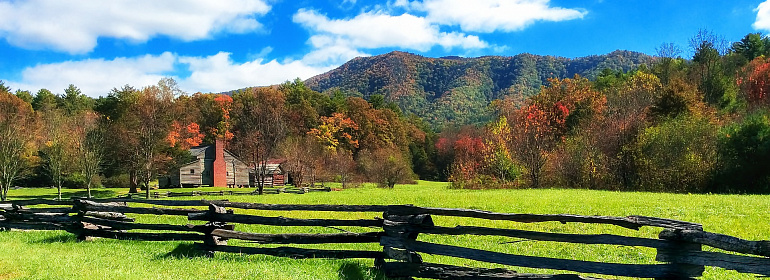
(192, 171)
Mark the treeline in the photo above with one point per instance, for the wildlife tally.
(132, 136)
(680, 125)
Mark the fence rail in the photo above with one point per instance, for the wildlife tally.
(679, 244)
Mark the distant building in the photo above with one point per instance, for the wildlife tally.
(214, 166)
(274, 173)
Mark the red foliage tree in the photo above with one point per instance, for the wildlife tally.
(755, 85)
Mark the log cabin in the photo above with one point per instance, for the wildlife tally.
(213, 166)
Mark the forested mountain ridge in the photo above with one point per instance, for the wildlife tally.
(454, 90)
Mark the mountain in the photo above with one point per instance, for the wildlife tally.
(455, 90)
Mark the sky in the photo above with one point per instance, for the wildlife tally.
(218, 46)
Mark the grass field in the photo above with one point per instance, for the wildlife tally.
(56, 254)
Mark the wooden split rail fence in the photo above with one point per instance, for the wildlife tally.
(679, 246)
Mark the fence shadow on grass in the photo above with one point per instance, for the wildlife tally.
(66, 195)
(357, 271)
(183, 251)
(59, 238)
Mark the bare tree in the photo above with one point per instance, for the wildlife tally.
(342, 165)
(386, 167)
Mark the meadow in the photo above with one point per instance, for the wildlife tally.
(57, 255)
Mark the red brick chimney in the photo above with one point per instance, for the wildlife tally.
(220, 166)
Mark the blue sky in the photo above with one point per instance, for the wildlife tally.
(215, 46)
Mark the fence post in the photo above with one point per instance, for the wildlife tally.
(403, 228)
(675, 253)
(210, 241)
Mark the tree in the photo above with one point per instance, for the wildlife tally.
(260, 126)
(668, 54)
(74, 102)
(142, 133)
(755, 83)
(301, 154)
(17, 132)
(751, 46)
(4, 88)
(335, 131)
(342, 165)
(678, 155)
(744, 149)
(89, 146)
(24, 95)
(386, 167)
(44, 100)
(534, 134)
(628, 106)
(57, 149)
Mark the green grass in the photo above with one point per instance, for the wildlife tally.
(56, 255)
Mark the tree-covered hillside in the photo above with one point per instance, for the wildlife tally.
(456, 90)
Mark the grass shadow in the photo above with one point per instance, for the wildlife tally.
(61, 238)
(101, 193)
(184, 251)
(356, 271)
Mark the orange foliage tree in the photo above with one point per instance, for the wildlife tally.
(17, 135)
(335, 131)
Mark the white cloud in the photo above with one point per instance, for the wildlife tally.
(75, 25)
(494, 15)
(763, 16)
(218, 73)
(96, 77)
(373, 30)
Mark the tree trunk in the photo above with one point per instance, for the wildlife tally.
(88, 188)
(132, 182)
(4, 192)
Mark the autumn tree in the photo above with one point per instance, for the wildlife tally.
(143, 131)
(335, 132)
(679, 155)
(342, 166)
(386, 166)
(56, 151)
(260, 125)
(17, 136)
(301, 153)
(89, 144)
(498, 158)
(755, 82)
(121, 158)
(534, 134)
(628, 107)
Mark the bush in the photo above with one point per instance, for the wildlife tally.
(745, 152)
(578, 163)
(117, 181)
(678, 155)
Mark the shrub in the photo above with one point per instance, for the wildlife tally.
(117, 181)
(678, 155)
(745, 152)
